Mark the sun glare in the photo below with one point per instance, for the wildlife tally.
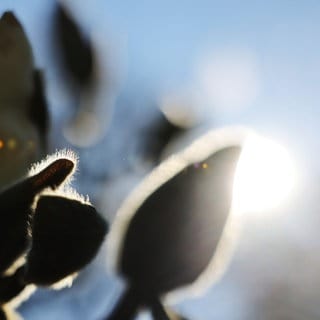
(265, 176)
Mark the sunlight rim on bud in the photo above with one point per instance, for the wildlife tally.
(265, 176)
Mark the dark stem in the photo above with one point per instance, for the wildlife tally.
(127, 306)
(157, 309)
(11, 286)
(2, 315)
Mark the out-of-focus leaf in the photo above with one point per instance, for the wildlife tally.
(158, 134)
(75, 49)
(38, 109)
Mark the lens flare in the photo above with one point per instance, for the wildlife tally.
(265, 176)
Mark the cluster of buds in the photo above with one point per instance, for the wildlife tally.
(48, 232)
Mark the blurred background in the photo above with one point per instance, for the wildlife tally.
(156, 73)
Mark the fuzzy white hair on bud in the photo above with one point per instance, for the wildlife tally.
(65, 189)
(49, 159)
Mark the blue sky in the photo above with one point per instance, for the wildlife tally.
(165, 40)
(160, 43)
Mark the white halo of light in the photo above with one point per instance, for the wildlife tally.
(265, 176)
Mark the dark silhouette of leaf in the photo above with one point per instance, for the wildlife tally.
(66, 236)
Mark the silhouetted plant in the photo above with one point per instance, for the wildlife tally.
(167, 237)
(48, 232)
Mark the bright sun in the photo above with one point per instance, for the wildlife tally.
(265, 176)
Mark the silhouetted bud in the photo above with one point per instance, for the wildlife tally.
(16, 209)
(20, 144)
(173, 236)
(66, 235)
(16, 62)
(53, 175)
(169, 229)
(76, 50)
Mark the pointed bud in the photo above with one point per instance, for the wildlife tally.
(174, 234)
(66, 237)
